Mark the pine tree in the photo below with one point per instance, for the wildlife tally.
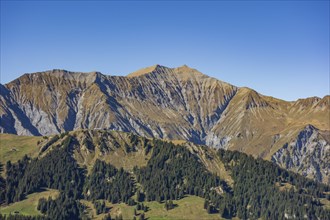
(145, 208)
(166, 205)
(107, 217)
(170, 204)
(209, 209)
(206, 204)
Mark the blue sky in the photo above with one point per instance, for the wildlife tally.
(279, 48)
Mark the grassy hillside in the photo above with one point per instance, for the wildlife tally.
(29, 205)
(13, 147)
(190, 207)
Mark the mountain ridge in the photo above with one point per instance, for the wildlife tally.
(168, 103)
(149, 70)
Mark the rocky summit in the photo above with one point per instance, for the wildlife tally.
(177, 104)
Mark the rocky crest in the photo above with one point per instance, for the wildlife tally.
(169, 103)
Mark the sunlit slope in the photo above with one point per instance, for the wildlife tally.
(160, 102)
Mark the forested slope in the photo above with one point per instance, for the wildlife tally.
(253, 188)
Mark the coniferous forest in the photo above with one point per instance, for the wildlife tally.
(171, 173)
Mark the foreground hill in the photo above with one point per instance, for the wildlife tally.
(176, 104)
(97, 173)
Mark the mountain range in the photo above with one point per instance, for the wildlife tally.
(175, 104)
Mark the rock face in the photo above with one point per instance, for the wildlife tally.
(166, 103)
(308, 153)
(169, 103)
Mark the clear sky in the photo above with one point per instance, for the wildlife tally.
(279, 48)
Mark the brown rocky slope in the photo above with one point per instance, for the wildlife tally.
(173, 103)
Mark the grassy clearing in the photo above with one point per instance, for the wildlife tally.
(326, 203)
(90, 211)
(190, 207)
(14, 147)
(128, 160)
(29, 205)
(115, 209)
(284, 186)
(217, 167)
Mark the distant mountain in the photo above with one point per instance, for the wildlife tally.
(173, 103)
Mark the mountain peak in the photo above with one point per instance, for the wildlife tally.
(252, 98)
(146, 70)
(184, 71)
(185, 68)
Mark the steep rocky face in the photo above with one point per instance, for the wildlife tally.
(170, 103)
(43, 103)
(308, 153)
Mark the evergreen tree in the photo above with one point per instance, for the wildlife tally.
(107, 217)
